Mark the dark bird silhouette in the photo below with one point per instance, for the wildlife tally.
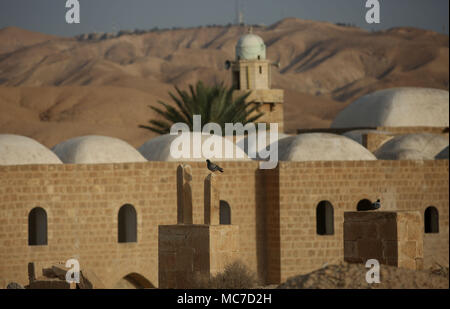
(366, 205)
(213, 167)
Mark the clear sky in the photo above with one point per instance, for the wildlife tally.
(48, 16)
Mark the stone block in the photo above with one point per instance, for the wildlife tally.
(390, 249)
(204, 249)
(184, 194)
(370, 249)
(211, 200)
(393, 238)
(350, 249)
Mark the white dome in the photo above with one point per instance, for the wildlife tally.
(249, 144)
(397, 107)
(322, 147)
(158, 149)
(250, 47)
(413, 147)
(96, 149)
(20, 150)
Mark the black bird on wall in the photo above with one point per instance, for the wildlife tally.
(376, 205)
(366, 205)
(213, 167)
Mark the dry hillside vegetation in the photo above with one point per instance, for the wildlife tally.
(352, 276)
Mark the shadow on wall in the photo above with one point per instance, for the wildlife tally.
(267, 214)
(224, 213)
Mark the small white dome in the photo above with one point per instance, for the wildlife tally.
(158, 149)
(21, 150)
(397, 107)
(322, 147)
(249, 144)
(250, 47)
(413, 147)
(96, 149)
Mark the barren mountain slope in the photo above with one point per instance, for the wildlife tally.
(84, 83)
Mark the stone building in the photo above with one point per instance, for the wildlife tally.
(106, 204)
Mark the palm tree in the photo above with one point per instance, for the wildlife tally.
(214, 104)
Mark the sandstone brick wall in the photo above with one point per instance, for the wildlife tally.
(82, 204)
(274, 209)
(401, 185)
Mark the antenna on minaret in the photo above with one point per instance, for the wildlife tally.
(236, 7)
(239, 13)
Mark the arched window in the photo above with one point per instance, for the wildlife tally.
(431, 220)
(325, 218)
(225, 213)
(127, 224)
(364, 205)
(37, 227)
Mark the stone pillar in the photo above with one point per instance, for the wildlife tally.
(393, 238)
(410, 240)
(373, 141)
(31, 273)
(211, 200)
(187, 252)
(190, 251)
(184, 194)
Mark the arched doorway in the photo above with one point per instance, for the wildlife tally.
(134, 281)
(431, 220)
(325, 218)
(224, 213)
(127, 224)
(37, 227)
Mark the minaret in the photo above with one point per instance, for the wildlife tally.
(251, 72)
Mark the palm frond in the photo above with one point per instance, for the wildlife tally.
(213, 103)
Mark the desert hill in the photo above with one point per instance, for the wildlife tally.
(14, 38)
(54, 88)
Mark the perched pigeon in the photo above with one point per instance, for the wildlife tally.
(213, 167)
(366, 205)
(377, 204)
